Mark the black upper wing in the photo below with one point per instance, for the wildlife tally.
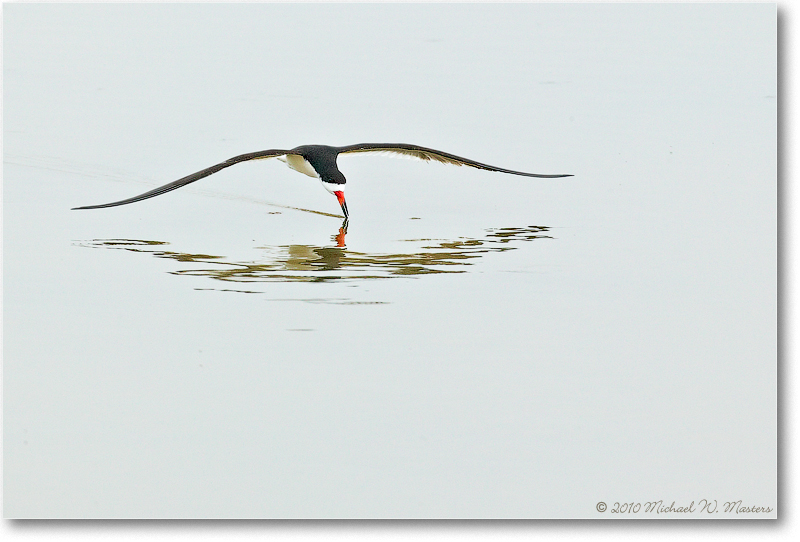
(192, 178)
(423, 153)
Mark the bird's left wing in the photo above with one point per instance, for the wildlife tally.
(192, 178)
(424, 153)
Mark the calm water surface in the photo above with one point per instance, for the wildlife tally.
(473, 345)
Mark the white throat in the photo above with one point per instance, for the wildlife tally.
(332, 187)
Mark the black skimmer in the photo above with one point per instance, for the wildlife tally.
(320, 161)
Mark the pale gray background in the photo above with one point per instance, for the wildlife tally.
(630, 358)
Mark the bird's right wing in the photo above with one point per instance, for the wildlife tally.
(426, 154)
(272, 153)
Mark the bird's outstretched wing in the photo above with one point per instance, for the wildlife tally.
(272, 153)
(423, 153)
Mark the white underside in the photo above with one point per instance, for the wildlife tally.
(298, 163)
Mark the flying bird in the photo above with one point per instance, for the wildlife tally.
(319, 161)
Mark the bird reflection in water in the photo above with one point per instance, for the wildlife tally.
(339, 237)
(308, 263)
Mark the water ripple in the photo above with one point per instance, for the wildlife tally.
(308, 263)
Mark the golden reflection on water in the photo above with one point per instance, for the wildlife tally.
(308, 263)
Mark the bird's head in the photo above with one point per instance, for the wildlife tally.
(335, 186)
